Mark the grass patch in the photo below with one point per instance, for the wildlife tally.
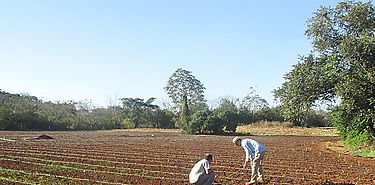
(340, 147)
(370, 153)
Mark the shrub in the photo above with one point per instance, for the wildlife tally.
(352, 127)
(204, 121)
(317, 119)
(269, 114)
(228, 119)
(128, 123)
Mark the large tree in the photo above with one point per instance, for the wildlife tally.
(340, 67)
(183, 84)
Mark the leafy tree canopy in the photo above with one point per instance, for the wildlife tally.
(183, 83)
(135, 107)
(341, 65)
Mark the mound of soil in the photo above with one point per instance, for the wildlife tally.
(44, 137)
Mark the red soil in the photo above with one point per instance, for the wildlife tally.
(166, 158)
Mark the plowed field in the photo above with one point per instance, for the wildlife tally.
(122, 157)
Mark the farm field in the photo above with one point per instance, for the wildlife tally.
(137, 157)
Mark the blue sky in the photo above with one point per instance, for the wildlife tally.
(62, 50)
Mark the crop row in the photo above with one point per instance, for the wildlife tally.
(144, 174)
(296, 161)
(21, 176)
(117, 158)
(280, 173)
(161, 158)
(133, 165)
(91, 176)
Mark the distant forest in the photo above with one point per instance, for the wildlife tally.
(26, 112)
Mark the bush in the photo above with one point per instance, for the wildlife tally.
(204, 121)
(164, 119)
(228, 116)
(128, 123)
(228, 119)
(317, 119)
(269, 114)
(355, 139)
(352, 127)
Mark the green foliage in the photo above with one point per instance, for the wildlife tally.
(245, 116)
(136, 109)
(162, 119)
(184, 116)
(106, 118)
(317, 119)
(186, 93)
(269, 114)
(5, 123)
(352, 128)
(204, 121)
(59, 116)
(183, 84)
(24, 112)
(355, 139)
(19, 112)
(229, 119)
(128, 123)
(308, 82)
(227, 114)
(343, 39)
(224, 117)
(254, 108)
(369, 153)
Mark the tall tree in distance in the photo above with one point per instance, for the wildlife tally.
(183, 84)
(186, 93)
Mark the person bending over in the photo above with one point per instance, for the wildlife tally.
(254, 153)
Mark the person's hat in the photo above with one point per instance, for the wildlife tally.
(235, 139)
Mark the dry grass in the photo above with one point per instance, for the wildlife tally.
(285, 128)
(259, 128)
(338, 147)
(269, 124)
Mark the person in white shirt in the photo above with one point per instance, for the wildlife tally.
(255, 153)
(202, 173)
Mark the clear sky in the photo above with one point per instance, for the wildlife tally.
(110, 49)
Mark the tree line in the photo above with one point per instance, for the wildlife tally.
(26, 112)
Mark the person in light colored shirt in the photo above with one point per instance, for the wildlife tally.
(255, 153)
(202, 173)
